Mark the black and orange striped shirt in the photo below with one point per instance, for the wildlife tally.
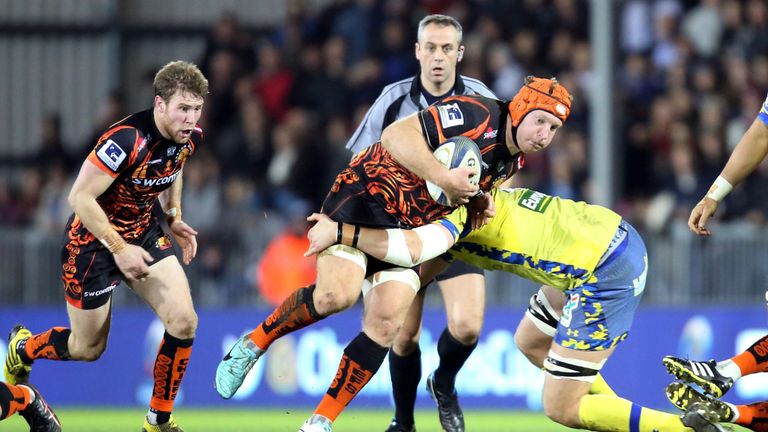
(143, 164)
(401, 192)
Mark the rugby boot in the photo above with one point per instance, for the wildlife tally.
(39, 415)
(316, 423)
(234, 367)
(451, 417)
(703, 374)
(682, 395)
(170, 426)
(16, 370)
(396, 426)
(700, 418)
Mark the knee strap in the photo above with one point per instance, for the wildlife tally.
(348, 253)
(581, 370)
(542, 314)
(402, 275)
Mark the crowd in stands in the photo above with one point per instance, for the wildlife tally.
(691, 77)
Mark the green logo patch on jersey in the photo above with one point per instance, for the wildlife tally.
(535, 201)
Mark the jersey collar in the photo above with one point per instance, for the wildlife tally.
(416, 89)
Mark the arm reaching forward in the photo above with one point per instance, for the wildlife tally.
(749, 152)
(402, 247)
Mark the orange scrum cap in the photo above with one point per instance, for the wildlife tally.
(540, 93)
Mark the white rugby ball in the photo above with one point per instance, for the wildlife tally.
(456, 152)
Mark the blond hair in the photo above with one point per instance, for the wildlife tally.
(182, 76)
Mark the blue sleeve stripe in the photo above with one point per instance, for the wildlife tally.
(763, 116)
(450, 227)
(634, 418)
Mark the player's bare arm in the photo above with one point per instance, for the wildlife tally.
(405, 141)
(748, 154)
(185, 236)
(402, 247)
(90, 183)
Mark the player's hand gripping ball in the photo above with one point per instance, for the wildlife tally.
(456, 152)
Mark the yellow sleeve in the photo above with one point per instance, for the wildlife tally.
(455, 222)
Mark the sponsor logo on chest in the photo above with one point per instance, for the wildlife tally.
(490, 133)
(450, 115)
(155, 181)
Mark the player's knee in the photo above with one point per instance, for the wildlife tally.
(406, 341)
(383, 331)
(88, 352)
(182, 325)
(466, 331)
(562, 411)
(328, 302)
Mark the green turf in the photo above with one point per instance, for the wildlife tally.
(208, 420)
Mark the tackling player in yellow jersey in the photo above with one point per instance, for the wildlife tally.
(598, 260)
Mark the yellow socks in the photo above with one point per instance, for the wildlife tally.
(607, 413)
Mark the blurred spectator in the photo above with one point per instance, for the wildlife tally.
(272, 82)
(202, 193)
(703, 27)
(228, 35)
(109, 113)
(52, 148)
(53, 209)
(283, 265)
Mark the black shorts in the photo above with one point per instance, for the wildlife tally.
(352, 204)
(89, 272)
(458, 268)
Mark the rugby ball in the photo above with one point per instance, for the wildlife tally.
(456, 152)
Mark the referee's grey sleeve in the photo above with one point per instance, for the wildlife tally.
(478, 87)
(369, 131)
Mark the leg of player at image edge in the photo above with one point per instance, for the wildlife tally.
(28, 403)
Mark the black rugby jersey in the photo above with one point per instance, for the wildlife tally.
(143, 164)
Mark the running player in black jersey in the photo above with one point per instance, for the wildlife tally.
(384, 186)
(113, 236)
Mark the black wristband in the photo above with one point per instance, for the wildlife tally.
(356, 237)
(339, 232)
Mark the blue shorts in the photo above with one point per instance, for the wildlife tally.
(598, 315)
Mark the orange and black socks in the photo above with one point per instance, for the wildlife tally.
(405, 372)
(754, 359)
(361, 359)
(51, 345)
(296, 312)
(13, 399)
(452, 354)
(170, 365)
(753, 416)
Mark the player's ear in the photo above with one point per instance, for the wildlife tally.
(460, 54)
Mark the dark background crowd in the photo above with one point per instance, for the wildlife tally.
(690, 78)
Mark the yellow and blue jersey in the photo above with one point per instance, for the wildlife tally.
(763, 116)
(546, 239)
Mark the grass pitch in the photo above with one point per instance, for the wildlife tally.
(214, 420)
